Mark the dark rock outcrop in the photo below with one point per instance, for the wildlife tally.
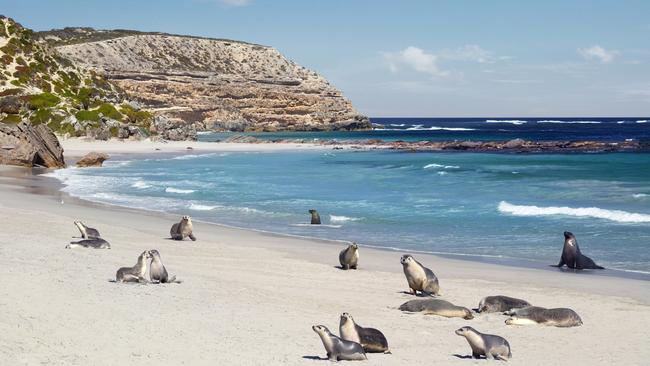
(92, 159)
(28, 145)
(174, 129)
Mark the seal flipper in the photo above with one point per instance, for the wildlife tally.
(584, 262)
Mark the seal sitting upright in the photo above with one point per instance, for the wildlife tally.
(572, 257)
(349, 257)
(315, 217)
(157, 271)
(86, 232)
(419, 277)
(488, 345)
(337, 348)
(183, 229)
(372, 340)
(136, 273)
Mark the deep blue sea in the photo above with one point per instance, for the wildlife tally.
(484, 129)
(492, 206)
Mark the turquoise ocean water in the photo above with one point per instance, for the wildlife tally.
(492, 206)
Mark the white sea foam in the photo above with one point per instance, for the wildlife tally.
(440, 166)
(571, 122)
(180, 191)
(140, 184)
(203, 132)
(640, 195)
(595, 212)
(511, 121)
(437, 128)
(334, 218)
(642, 121)
(194, 156)
(620, 122)
(398, 125)
(199, 207)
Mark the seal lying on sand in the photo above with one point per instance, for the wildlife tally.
(349, 257)
(337, 348)
(183, 229)
(372, 340)
(86, 232)
(558, 317)
(315, 217)
(436, 307)
(157, 271)
(488, 345)
(499, 304)
(572, 257)
(96, 243)
(136, 273)
(419, 277)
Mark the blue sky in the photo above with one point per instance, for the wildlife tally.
(418, 58)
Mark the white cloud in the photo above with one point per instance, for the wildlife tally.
(470, 52)
(598, 53)
(414, 58)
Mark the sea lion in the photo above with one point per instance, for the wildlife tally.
(558, 317)
(315, 217)
(572, 257)
(157, 271)
(372, 340)
(436, 307)
(488, 345)
(86, 232)
(136, 273)
(499, 304)
(96, 243)
(419, 277)
(183, 229)
(349, 257)
(337, 348)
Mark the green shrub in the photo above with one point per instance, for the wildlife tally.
(44, 100)
(87, 115)
(108, 110)
(114, 131)
(12, 118)
(42, 115)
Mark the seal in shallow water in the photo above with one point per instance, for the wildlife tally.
(372, 340)
(136, 273)
(488, 345)
(436, 307)
(183, 229)
(349, 257)
(86, 232)
(558, 317)
(339, 349)
(572, 257)
(499, 304)
(315, 217)
(419, 277)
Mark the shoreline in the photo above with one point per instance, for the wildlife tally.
(242, 287)
(130, 149)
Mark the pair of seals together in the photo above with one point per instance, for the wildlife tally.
(354, 341)
(572, 257)
(183, 229)
(149, 260)
(91, 238)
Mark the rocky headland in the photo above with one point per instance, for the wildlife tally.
(212, 84)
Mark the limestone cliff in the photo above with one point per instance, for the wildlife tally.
(222, 84)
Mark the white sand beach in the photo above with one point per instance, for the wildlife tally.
(250, 298)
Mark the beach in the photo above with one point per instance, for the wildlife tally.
(250, 297)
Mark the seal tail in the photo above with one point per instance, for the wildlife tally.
(502, 358)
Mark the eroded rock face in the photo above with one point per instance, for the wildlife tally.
(224, 85)
(92, 159)
(27, 145)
